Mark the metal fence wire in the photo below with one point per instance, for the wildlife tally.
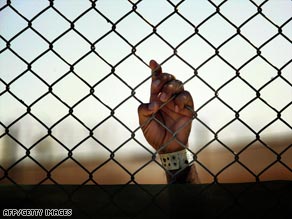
(280, 37)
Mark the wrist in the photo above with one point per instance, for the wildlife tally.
(179, 167)
(172, 148)
(176, 160)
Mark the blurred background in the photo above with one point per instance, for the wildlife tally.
(73, 73)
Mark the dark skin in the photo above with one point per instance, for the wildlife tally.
(170, 111)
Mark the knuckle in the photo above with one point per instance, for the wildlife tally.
(178, 85)
(168, 87)
(141, 108)
(185, 96)
(167, 77)
(187, 93)
(175, 86)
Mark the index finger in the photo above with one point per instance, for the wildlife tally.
(156, 69)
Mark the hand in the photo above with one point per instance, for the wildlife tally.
(169, 112)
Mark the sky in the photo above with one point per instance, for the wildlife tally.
(111, 88)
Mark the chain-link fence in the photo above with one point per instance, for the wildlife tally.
(73, 75)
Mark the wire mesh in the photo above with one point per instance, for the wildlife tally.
(237, 36)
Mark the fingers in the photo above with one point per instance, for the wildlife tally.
(159, 82)
(155, 68)
(183, 100)
(158, 78)
(164, 86)
(169, 89)
(145, 111)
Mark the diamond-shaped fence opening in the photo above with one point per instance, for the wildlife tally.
(165, 29)
(99, 25)
(279, 45)
(237, 51)
(23, 90)
(19, 110)
(72, 76)
(270, 96)
(140, 28)
(263, 115)
(50, 30)
(20, 23)
(48, 157)
(63, 89)
(71, 46)
(48, 72)
(113, 12)
(13, 150)
(249, 72)
(101, 154)
(74, 134)
(233, 11)
(154, 15)
(216, 72)
(198, 14)
(49, 117)
(93, 64)
(223, 33)
(271, 11)
(22, 43)
(239, 98)
(153, 44)
(259, 25)
(107, 48)
(7, 73)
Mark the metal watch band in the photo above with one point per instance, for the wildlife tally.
(176, 160)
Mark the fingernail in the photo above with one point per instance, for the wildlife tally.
(163, 97)
(152, 63)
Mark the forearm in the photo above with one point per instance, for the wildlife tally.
(187, 175)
